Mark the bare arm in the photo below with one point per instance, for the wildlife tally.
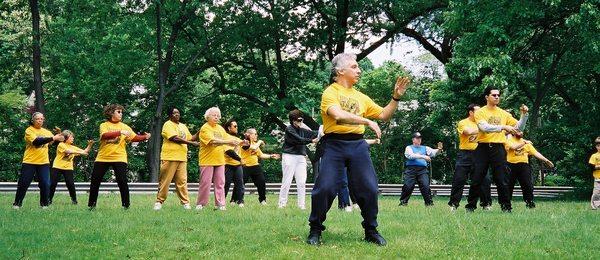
(344, 117)
(543, 159)
(392, 106)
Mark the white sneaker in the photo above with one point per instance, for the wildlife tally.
(221, 208)
(187, 206)
(232, 203)
(15, 207)
(199, 207)
(264, 203)
(157, 206)
(281, 206)
(302, 207)
(487, 208)
(348, 209)
(45, 207)
(356, 206)
(452, 208)
(241, 205)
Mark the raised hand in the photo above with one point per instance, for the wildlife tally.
(400, 86)
(440, 146)
(524, 109)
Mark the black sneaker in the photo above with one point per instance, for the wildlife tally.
(530, 205)
(314, 238)
(374, 237)
(403, 203)
(430, 204)
(74, 202)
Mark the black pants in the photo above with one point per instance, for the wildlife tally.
(339, 157)
(236, 175)
(258, 177)
(522, 173)
(413, 175)
(98, 173)
(489, 155)
(68, 175)
(463, 170)
(28, 172)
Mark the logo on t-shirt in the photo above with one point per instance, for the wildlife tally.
(350, 105)
(494, 120)
(519, 151)
(473, 138)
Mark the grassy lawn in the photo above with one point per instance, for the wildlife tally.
(555, 229)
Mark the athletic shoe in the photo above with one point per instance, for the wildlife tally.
(45, 207)
(74, 202)
(15, 207)
(157, 206)
(348, 209)
(221, 208)
(372, 236)
(302, 207)
(199, 207)
(232, 203)
(530, 205)
(281, 206)
(403, 203)
(264, 203)
(487, 208)
(356, 206)
(314, 238)
(187, 206)
(241, 205)
(452, 208)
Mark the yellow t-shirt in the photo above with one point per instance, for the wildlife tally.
(172, 151)
(520, 155)
(595, 160)
(236, 149)
(62, 160)
(250, 157)
(211, 155)
(467, 142)
(350, 100)
(113, 150)
(496, 116)
(36, 154)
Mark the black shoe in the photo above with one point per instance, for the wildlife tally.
(506, 210)
(91, 208)
(403, 203)
(530, 205)
(470, 209)
(74, 202)
(375, 238)
(430, 204)
(314, 238)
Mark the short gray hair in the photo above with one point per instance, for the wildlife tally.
(339, 62)
(210, 111)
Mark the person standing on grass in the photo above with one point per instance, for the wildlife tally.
(416, 169)
(173, 159)
(493, 123)
(517, 156)
(213, 140)
(233, 165)
(345, 112)
(36, 161)
(345, 197)
(293, 159)
(63, 164)
(114, 136)
(251, 167)
(467, 135)
(595, 163)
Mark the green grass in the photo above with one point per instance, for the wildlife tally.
(555, 229)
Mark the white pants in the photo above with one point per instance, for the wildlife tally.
(293, 166)
(596, 195)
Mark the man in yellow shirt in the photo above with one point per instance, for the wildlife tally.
(345, 112)
(173, 159)
(518, 152)
(36, 160)
(595, 163)
(493, 123)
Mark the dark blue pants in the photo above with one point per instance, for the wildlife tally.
(522, 173)
(489, 155)
(413, 175)
(28, 171)
(344, 192)
(463, 170)
(355, 157)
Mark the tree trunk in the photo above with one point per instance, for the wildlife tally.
(37, 56)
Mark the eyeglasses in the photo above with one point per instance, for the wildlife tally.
(234, 126)
(299, 119)
(597, 144)
(495, 95)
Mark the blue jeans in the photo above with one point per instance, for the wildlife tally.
(28, 171)
(339, 155)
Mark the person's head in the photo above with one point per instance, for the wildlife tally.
(231, 127)
(69, 137)
(174, 114)
(296, 117)
(597, 143)
(344, 68)
(251, 135)
(416, 138)
(114, 112)
(471, 108)
(492, 95)
(37, 119)
(213, 115)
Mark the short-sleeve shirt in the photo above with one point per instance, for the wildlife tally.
(520, 155)
(250, 157)
(62, 160)
(595, 160)
(210, 154)
(236, 149)
(467, 142)
(349, 100)
(114, 150)
(36, 154)
(172, 151)
(493, 116)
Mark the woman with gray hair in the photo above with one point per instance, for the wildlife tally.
(213, 139)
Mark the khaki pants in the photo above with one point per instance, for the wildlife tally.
(173, 171)
(595, 201)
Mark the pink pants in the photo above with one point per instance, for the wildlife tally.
(209, 175)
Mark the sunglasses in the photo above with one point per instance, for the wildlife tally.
(495, 95)
(299, 119)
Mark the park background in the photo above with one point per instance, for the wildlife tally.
(259, 59)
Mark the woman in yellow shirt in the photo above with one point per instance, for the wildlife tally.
(595, 163)
(233, 165)
(36, 160)
(213, 140)
(63, 164)
(251, 168)
(518, 151)
(114, 136)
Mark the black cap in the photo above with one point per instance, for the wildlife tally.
(416, 135)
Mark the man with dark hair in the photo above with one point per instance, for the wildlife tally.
(493, 123)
